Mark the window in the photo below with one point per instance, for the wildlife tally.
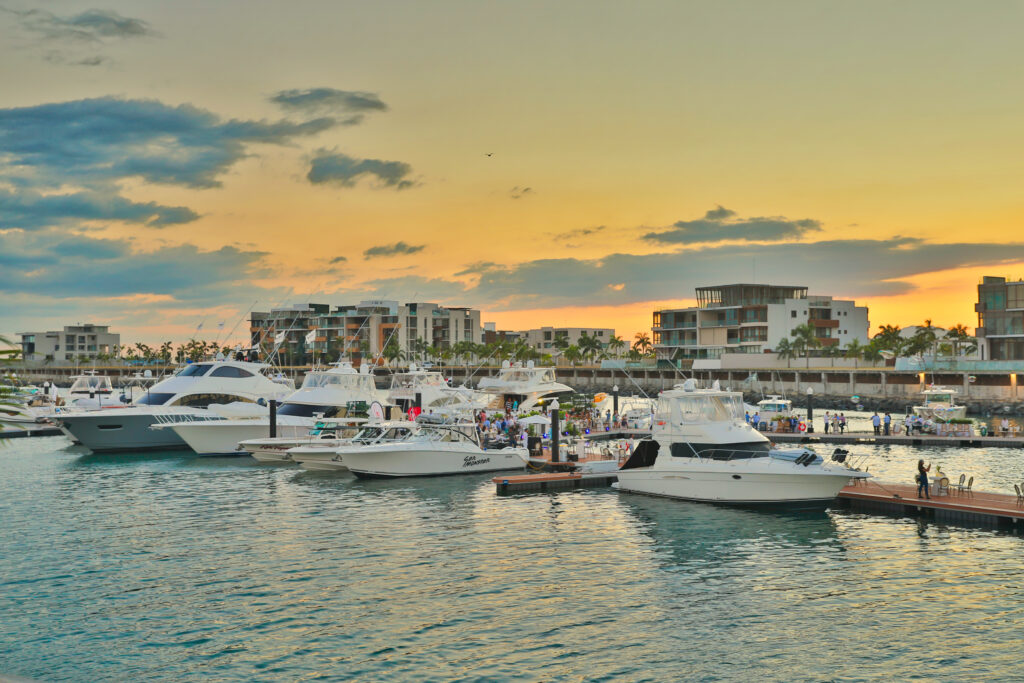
(792, 314)
(204, 400)
(151, 399)
(195, 370)
(306, 410)
(230, 371)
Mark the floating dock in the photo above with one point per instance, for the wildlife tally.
(869, 439)
(552, 481)
(24, 433)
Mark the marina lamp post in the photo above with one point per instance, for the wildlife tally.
(555, 430)
(810, 410)
(615, 400)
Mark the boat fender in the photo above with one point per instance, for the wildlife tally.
(802, 427)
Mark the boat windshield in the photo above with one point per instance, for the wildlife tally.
(195, 370)
(716, 408)
(939, 398)
(307, 410)
(408, 380)
(153, 399)
(90, 384)
(316, 380)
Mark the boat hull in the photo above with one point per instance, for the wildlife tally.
(224, 437)
(737, 484)
(319, 458)
(113, 431)
(383, 463)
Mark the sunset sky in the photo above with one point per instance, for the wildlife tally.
(551, 163)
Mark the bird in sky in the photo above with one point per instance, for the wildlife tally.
(489, 154)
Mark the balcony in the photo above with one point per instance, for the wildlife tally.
(822, 322)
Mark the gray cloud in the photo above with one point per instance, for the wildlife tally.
(93, 25)
(580, 232)
(330, 101)
(721, 224)
(29, 210)
(341, 169)
(854, 268)
(96, 144)
(338, 259)
(519, 192)
(54, 264)
(396, 249)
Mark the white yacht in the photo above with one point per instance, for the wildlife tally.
(702, 449)
(940, 405)
(186, 395)
(433, 450)
(325, 458)
(522, 387)
(430, 392)
(773, 406)
(330, 393)
(274, 450)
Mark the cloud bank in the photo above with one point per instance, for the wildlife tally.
(396, 249)
(722, 225)
(340, 169)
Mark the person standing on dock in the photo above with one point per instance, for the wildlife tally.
(876, 422)
(1004, 427)
(886, 421)
(828, 421)
(922, 478)
(908, 425)
(842, 423)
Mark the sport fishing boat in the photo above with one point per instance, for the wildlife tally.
(325, 457)
(433, 450)
(336, 392)
(702, 449)
(522, 387)
(940, 405)
(237, 387)
(273, 450)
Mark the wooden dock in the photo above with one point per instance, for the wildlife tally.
(24, 433)
(552, 481)
(969, 507)
(869, 439)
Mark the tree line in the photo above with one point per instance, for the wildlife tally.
(888, 342)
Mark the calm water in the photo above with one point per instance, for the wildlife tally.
(168, 567)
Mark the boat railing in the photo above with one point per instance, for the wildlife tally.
(805, 456)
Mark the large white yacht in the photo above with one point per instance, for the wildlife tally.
(940, 405)
(324, 394)
(702, 449)
(186, 395)
(433, 450)
(430, 392)
(522, 387)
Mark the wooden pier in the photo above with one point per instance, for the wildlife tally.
(870, 439)
(552, 481)
(968, 507)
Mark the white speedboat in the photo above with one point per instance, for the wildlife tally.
(520, 387)
(325, 457)
(434, 450)
(185, 396)
(774, 406)
(324, 394)
(940, 405)
(702, 449)
(274, 450)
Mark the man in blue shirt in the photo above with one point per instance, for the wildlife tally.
(887, 420)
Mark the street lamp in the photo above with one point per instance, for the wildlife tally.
(615, 400)
(810, 410)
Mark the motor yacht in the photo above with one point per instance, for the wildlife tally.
(774, 406)
(325, 458)
(184, 396)
(940, 405)
(522, 387)
(702, 449)
(433, 450)
(338, 391)
(419, 390)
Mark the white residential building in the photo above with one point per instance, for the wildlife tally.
(71, 343)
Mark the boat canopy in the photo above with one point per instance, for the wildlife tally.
(316, 380)
(690, 407)
(91, 384)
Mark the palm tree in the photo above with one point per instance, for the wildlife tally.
(854, 350)
(834, 351)
(165, 352)
(616, 344)
(560, 342)
(786, 350)
(392, 351)
(804, 340)
(872, 352)
(642, 342)
(572, 354)
(958, 334)
(590, 346)
(889, 339)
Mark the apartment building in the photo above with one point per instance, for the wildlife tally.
(747, 318)
(543, 338)
(352, 331)
(1000, 311)
(71, 343)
